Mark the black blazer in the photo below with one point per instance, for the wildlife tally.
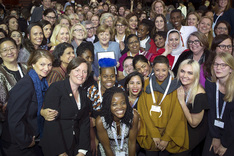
(58, 134)
(21, 123)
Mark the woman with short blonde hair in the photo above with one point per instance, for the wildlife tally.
(60, 34)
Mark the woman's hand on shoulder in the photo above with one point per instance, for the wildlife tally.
(49, 114)
(180, 95)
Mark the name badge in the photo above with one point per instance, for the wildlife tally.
(219, 124)
(157, 109)
(120, 153)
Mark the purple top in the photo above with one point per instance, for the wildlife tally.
(202, 76)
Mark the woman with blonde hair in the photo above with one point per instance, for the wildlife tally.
(205, 26)
(60, 34)
(64, 20)
(193, 101)
(192, 19)
(73, 18)
(220, 94)
(108, 19)
(79, 33)
(158, 7)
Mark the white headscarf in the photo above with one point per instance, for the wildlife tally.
(176, 52)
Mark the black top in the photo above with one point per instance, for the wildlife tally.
(226, 134)
(16, 74)
(58, 136)
(197, 134)
(189, 55)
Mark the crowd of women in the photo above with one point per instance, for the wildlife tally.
(103, 79)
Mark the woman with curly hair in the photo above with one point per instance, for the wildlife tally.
(63, 54)
(117, 124)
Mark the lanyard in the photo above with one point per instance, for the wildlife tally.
(115, 135)
(217, 103)
(165, 93)
(20, 71)
(135, 102)
(99, 91)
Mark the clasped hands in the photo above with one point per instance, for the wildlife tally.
(160, 144)
(217, 147)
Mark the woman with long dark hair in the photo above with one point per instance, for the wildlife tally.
(33, 40)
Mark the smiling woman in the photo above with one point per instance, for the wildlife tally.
(63, 54)
(70, 130)
(33, 40)
(195, 107)
(79, 33)
(24, 105)
(161, 115)
(60, 34)
(117, 122)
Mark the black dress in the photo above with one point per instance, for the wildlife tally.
(197, 135)
(225, 134)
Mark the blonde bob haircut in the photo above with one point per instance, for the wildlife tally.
(73, 28)
(201, 37)
(105, 16)
(196, 74)
(229, 86)
(53, 39)
(163, 4)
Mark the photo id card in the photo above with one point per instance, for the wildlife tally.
(219, 124)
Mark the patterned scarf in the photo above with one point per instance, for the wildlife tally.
(41, 87)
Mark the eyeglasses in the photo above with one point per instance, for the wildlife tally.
(195, 42)
(222, 65)
(50, 17)
(222, 47)
(79, 30)
(89, 28)
(120, 25)
(222, 28)
(5, 51)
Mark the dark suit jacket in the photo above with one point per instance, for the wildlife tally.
(21, 124)
(37, 14)
(58, 134)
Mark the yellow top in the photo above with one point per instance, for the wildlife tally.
(171, 126)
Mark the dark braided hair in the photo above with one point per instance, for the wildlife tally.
(106, 107)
